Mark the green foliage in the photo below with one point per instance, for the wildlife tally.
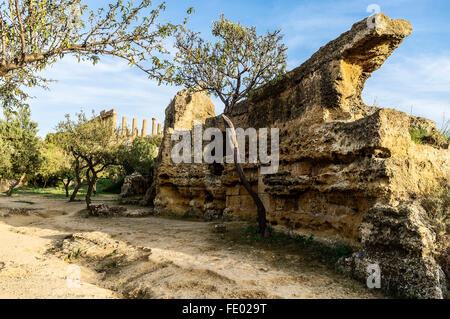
(109, 186)
(95, 145)
(19, 146)
(418, 133)
(37, 33)
(438, 138)
(231, 68)
(95, 141)
(56, 165)
(140, 156)
(105, 186)
(74, 254)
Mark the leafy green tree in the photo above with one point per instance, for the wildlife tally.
(96, 143)
(232, 69)
(21, 146)
(140, 155)
(78, 167)
(36, 33)
(57, 165)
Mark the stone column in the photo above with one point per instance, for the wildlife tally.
(124, 126)
(153, 126)
(144, 128)
(114, 119)
(159, 129)
(134, 128)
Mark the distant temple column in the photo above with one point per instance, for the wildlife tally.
(134, 128)
(159, 129)
(114, 118)
(124, 126)
(144, 128)
(153, 126)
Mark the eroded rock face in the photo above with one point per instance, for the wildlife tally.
(401, 240)
(345, 167)
(134, 185)
(174, 185)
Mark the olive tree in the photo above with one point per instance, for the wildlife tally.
(140, 155)
(19, 146)
(232, 68)
(57, 165)
(36, 33)
(96, 143)
(77, 166)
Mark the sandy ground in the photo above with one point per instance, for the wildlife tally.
(147, 257)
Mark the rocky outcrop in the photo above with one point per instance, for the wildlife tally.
(135, 185)
(401, 240)
(172, 188)
(347, 171)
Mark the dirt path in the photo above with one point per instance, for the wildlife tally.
(147, 257)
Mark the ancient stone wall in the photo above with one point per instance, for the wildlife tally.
(347, 171)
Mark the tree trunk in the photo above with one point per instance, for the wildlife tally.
(13, 185)
(262, 219)
(75, 191)
(66, 186)
(88, 194)
(91, 182)
(78, 179)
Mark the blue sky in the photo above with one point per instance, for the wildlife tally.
(416, 77)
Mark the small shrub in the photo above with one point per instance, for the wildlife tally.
(421, 135)
(74, 254)
(417, 134)
(106, 185)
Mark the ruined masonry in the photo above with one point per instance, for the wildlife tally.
(135, 132)
(348, 171)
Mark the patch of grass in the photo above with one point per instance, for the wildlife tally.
(53, 192)
(421, 135)
(328, 254)
(417, 134)
(74, 254)
(104, 186)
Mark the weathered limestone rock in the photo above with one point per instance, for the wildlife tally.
(134, 185)
(103, 210)
(167, 193)
(401, 240)
(345, 167)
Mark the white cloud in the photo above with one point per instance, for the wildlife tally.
(420, 82)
